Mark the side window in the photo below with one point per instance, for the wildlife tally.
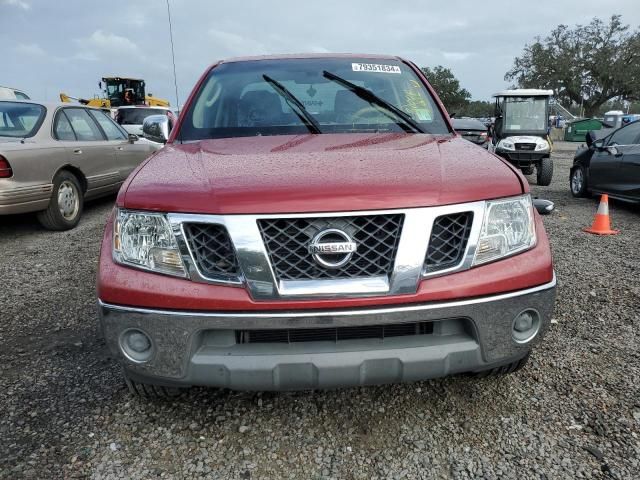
(84, 126)
(62, 128)
(626, 135)
(111, 130)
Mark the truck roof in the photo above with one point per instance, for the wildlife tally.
(311, 55)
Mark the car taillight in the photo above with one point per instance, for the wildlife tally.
(5, 169)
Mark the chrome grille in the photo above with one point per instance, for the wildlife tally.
(212, 250)
(448, 242)
(287, 242)
(335, 334)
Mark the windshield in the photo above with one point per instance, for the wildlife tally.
(20, 120)
(117, 91)
(294, 96)
(136, 116)
(525, 114)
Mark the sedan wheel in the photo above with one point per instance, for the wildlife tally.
(578, 182)
(65, 206)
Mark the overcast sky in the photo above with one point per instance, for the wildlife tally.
(52, 46)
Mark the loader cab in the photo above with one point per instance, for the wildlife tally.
(520, 133)
(124, 91)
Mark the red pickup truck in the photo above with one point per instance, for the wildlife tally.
(314, 222)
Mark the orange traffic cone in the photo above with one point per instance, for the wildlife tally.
(602, 223)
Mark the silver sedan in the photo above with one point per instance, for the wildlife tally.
(54, 156)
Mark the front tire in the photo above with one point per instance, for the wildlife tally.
(504, 369)
(150, 391)
(66, 204)
(545, 172)
(578, 182)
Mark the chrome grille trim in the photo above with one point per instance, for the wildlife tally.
(258, 276)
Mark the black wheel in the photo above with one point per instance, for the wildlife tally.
(578, 182)
(504, 369)
(545, 172)
(527, 170)
(149, 391)
(65, 207)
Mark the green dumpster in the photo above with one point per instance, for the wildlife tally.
(576, 130)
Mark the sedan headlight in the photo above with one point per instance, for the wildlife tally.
(507, 228)
(145, 240)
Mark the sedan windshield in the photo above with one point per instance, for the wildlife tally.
(320, 95)
(20, 120)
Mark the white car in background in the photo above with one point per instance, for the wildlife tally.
(8, 93)
(131, 117)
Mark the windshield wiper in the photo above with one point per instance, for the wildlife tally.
(310, 122)
(371, 97)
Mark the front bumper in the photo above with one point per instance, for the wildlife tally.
(523, 158)
(196, 348)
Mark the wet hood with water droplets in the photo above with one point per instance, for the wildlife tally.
(317, 173)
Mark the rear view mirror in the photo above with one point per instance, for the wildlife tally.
(156, 128)
(544, 207)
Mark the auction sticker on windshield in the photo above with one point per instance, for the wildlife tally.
(374, 67)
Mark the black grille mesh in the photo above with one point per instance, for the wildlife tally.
(212, 250)
(333, 334)
(525, 146)
(287, 242)
(449, 237)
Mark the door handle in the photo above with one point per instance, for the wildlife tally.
(77, 151)
(119, 148)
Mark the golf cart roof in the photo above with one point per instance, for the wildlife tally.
(524, 92)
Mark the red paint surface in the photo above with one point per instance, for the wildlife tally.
(317, 173)
(127, 286)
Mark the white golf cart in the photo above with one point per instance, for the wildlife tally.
(520, 133)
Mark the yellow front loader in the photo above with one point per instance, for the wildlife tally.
(119, 91)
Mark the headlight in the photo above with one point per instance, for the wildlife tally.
(505, 145)
(145, 240)
(507, 228)
(542, 145)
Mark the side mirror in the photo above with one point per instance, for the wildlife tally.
(544, 207)
(156, 128)
(612, 150)
(133, 138)
(590, 138)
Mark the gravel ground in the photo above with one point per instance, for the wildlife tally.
(573, 412)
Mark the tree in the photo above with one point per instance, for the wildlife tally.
(477, 109)
(587, 65)
(447, 87)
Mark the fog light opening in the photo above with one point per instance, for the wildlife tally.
(136, 345)
(525, 326)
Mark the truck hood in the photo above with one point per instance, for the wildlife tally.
(317, 173)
